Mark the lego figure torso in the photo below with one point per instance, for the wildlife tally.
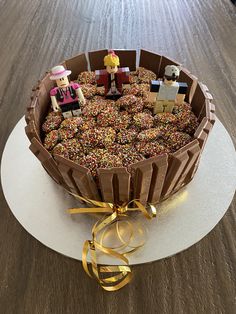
(112, 82)
(168, 92)
(113, 85)
(65, 95)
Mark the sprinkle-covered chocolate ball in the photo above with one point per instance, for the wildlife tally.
(131, 158)
(94, 108)
(145, 76)
(60, 150)
(89, 162)
(100, 91)
(133, 78)
(110, 161)
(53, 121)
(130, 103)
(108, 136)
(65, 134)
(176, 140)
(165, 118)
(72, 124)
(132, 90)
(74, 148)
(181, 107)
(87, 77)
(126, 136)
(107, 117)
(149, 134)
(123, 120)
(88, 90)
(143, 120)
(187, 122)
(51, 139)
(167, 129)
(88, 123)
(53, 114)
(91, 137)
(150, 149)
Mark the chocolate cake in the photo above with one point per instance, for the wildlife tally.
(118, 150)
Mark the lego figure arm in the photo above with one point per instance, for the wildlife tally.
(80, 95)
(181, 93)
(55, 105)
(125, 85)
(154, 90)
(99, 77)
(180, 99)
(152, 97)
(79, 92)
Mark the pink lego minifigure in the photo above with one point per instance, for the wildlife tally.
(67, 96)
(112, 78)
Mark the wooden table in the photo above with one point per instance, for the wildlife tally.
(35, 35)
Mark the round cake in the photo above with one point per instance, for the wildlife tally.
(118, 145)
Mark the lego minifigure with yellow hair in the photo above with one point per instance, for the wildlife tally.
(112, 78)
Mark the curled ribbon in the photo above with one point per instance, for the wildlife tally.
(111, 278)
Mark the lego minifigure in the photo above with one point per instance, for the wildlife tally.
(67, 96)
(112, 78)
(165, 94)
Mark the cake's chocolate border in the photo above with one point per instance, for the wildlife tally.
(153, 179)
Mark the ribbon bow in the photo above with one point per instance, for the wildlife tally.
(112, 278)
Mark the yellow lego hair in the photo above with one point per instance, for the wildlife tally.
(111, 59)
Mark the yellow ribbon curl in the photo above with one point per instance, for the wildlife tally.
(120, 275)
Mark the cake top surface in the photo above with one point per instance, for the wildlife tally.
(118, 133)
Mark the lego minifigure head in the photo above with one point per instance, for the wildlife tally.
(171, 74)
(111, 62)
(60, 75)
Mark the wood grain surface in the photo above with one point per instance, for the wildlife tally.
(34, 36)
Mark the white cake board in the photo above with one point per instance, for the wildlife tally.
(39, 204)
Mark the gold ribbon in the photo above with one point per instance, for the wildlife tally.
(111, 278)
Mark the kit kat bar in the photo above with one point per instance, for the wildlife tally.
(78, 178)
(142, 177)
(159, 166)
(202, 132)
(43, 103)
(201, 136)
(96, 59)
(46, 160)
(115, 185)
(77, 65)
(30, 109)
(65, 168)
(198, 101)
(127, 58)
(31, 131)
(85, 182)
(191, 80)
(177, 163)
(150, 60)
(193, 153)
(47, 83)
(210, 111)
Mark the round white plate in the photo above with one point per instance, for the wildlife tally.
(39, 204)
